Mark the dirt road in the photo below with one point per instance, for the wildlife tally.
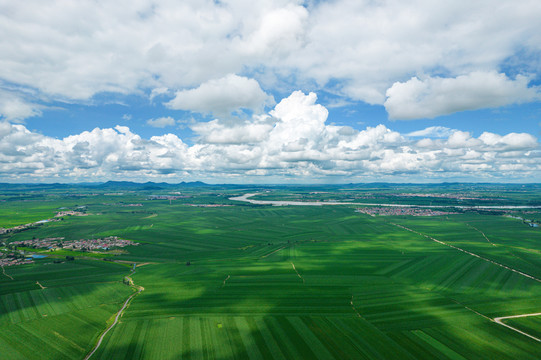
(498, 320)
(118, 315)
(4, 271)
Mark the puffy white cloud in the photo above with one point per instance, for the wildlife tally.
(512, 141)
(158, 92)
(462, 139)
(100, 153)
(435, 96)
(161, 122)
(15, 108)
(278, 32)
(293, 140)
(300, 120)
(370, 45)
(222, 96)
(215, 132)
(432, 132)
(362, 48)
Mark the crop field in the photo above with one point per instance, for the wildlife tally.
(531, 325)
(249, 281)
(60, 317)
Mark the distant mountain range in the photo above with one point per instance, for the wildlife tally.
(149, 185)
(130, 185)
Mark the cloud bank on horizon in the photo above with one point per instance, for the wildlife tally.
(240, 65)
(292, 141)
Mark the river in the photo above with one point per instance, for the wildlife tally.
(246, 198)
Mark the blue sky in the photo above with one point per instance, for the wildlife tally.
(272, 91)
(135, 111)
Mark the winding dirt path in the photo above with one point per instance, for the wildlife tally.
(227, 278)
(41, 286)
(4, 271)
(498, 320)
(118, 315)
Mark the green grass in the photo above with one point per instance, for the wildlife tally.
(277, 283)
(19, 213)
(62, 320)
(66, 336)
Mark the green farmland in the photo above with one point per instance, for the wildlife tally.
(249, 281)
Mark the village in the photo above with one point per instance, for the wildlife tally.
(395, 210)
(52, 244)
(11, 261)
(18, 257)
(457, 196)
(9, 257)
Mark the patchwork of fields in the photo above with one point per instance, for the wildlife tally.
(279, 283)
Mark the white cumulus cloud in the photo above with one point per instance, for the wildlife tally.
(358, 48)
(157, 92)
(222, 96)
(292, 140)
(435, 96)
(218, 133)
(161, 122)
(432, 132)
(15, 108)
(277, 32)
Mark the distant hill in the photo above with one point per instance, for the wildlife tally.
(149, 185)
(127, 185)
(38, 186)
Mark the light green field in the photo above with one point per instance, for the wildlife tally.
(279, 283)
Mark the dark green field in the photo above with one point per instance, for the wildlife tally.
(268, 282)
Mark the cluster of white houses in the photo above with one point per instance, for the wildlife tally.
(397, 210)
(10, 261)
(105, 243)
